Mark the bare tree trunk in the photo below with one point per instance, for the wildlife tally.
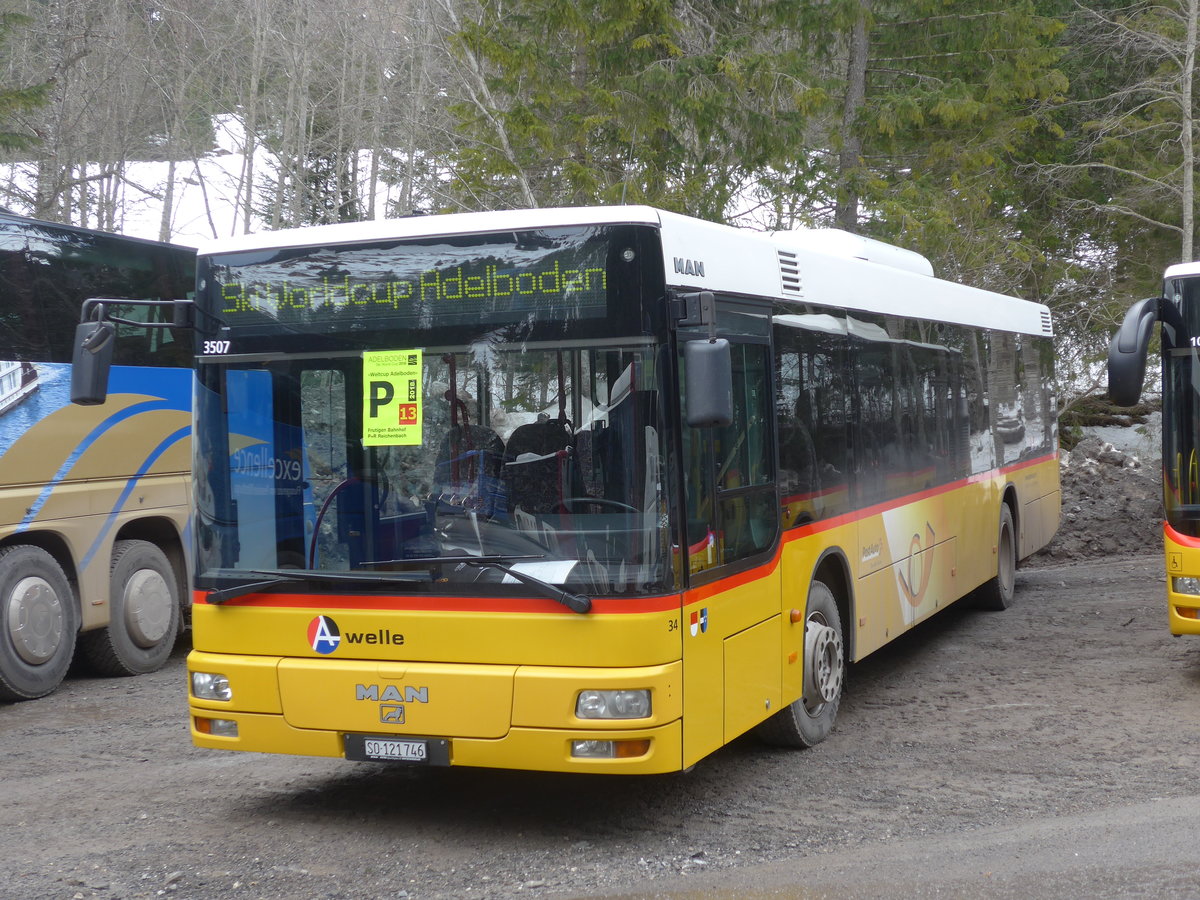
(850, 157)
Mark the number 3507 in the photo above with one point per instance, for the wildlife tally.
(215, 348)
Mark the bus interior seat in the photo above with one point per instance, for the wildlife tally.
(538, 465)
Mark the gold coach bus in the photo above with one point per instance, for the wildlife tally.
(93, 501)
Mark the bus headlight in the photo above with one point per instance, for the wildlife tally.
(622, 704)
(211, 686)
(1187, 585)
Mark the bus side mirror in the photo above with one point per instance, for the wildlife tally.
(709, 366)
(91, 361)
(1127, 352)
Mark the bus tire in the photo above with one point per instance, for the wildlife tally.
(39, 623)
(143, 613)
(809, 720)
(997, 594)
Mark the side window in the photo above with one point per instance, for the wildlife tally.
(810, 407)
(732, 509)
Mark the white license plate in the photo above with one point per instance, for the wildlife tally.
(405, 751)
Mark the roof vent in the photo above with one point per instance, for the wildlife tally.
(789, 274)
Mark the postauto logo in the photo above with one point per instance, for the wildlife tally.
(324, 634)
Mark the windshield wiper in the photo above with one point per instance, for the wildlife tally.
(426, 560)
(281, 577)
(574, 602)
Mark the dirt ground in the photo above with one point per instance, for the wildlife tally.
(1024, 753)
(1112, 504)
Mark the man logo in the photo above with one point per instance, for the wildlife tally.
(324, 635)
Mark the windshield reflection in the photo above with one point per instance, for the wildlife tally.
(544, 460)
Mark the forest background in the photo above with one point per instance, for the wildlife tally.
(1043, 148)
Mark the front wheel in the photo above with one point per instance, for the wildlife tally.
(997, 594)
(143, 613)
(808, 721)
(39, 622)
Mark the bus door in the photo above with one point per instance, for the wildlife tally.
(731, 614)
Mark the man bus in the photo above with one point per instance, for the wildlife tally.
(93, 501)
(590, 490)
(1177, 310)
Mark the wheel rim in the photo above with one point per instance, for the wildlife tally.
(147, 602)
(35, 620)
(823, 668)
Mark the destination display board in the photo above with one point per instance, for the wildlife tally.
(399, 284)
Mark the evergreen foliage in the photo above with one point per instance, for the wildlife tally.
(15, 101)
(1036, 147)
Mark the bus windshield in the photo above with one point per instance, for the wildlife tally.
(1181, 405)
(457, 446)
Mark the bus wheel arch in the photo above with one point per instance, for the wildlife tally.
(39, 622)
(144, 612)
(810, 718)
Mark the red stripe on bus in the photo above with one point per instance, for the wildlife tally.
(857, 515)
(536, 605)
(1182, 540)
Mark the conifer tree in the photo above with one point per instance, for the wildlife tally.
(15, 101)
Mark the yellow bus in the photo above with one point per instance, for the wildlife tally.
(1176, 310)
(590, 490)
(93, 501)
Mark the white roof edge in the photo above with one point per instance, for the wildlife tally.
(837, 242)
(434, 226)
(1181, 269)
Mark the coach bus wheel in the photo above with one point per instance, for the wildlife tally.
(39, 623)
(808, 721)
(143, 613)
(997, 594)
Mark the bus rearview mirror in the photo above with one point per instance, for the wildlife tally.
(1128, 350)
(709, 387)
(91, 360)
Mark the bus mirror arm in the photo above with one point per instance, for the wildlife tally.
(1128, 350)
(96, 334)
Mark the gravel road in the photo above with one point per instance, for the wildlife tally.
(983, 752)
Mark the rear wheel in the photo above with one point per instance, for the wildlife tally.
(39, 623)
(997, 594)
(808, 721)
(143, 610)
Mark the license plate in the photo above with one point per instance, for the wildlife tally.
(404, 751)
(383, 748)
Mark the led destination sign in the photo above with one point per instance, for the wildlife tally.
(402, 284)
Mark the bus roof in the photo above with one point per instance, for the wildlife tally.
(1182, 270)
(817, 266)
